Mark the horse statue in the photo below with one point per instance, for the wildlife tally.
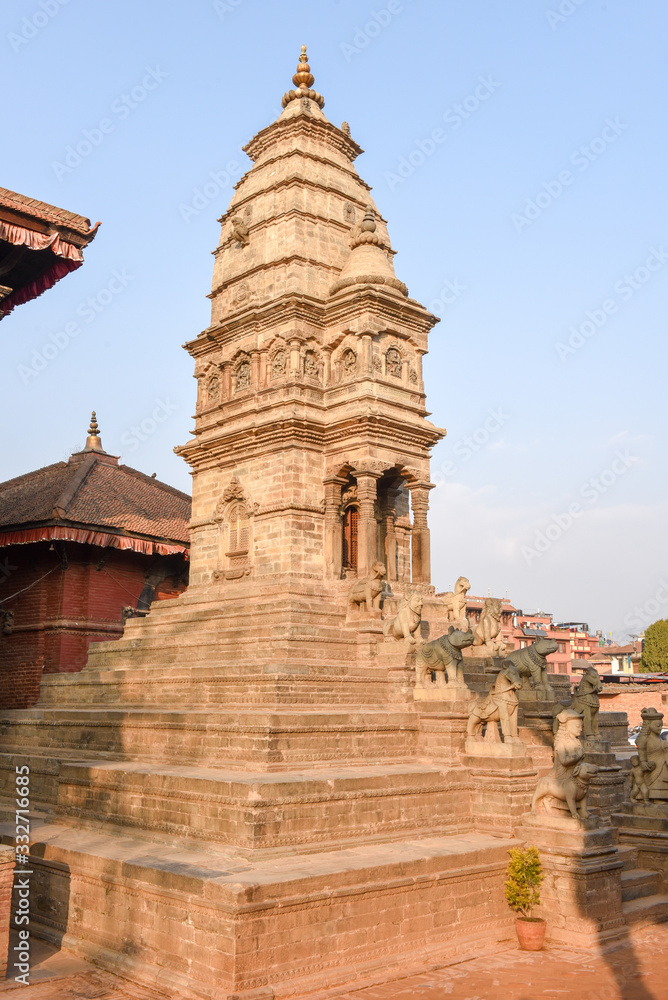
(500, 705)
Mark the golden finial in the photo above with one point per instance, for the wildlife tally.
(303, 81)
(303, 77)
(93, 441)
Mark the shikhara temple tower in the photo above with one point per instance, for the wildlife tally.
(311, 451)
(242, 797)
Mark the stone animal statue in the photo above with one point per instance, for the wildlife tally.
(443, 657)
(406, 621)
(565, 787)
(531, 662)
(368, 591)
(455, 602)
(240, 230)
(585, 702)
(500, 705)
(486, 631)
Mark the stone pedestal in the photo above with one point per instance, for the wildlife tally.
(441, 730)
(581, 896)
(396, 658)
(606, 788)
(6, 881)
(502, 784)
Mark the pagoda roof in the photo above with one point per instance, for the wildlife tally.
(92, 499)
(39, 245)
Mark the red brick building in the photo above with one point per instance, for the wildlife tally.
(83, 544)
(39, 245)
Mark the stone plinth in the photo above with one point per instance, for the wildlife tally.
(441, 730)
(503, 780)
(6, 882)
(607, 787)
(581, 896)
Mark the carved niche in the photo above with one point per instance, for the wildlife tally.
(393, 362)
(242, 373)
(233, 515)
(279, 364)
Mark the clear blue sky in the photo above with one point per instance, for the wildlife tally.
(537, 219)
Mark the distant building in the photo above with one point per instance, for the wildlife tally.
(617, 659)
(39, 245)
(83, 544)
(520, 629)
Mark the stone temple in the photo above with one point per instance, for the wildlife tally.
(247, 795)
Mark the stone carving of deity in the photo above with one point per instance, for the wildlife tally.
(279, 364)
(310, 365)
(243, 375)
(393, 363)
(349, 362)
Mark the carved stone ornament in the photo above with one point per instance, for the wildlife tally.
(562, 794)
(233, 491)
(350, 496)
(393, 363)
(239, 230)
(377, 364)
(412, 375)
(279, 364)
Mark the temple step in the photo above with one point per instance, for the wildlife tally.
(639, 882)
(210, 921)
(646, 910)
(251, 811)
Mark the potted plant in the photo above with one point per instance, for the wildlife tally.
(524, 875)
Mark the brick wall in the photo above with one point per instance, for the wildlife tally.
(631, 698)
(62, 599)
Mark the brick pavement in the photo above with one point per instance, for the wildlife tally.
(636, 971)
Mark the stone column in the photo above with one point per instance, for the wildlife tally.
(227, 379)
(327, 373)
(367, 529)
(367, 350)
(255, 369)
(333, 539)
(421, 560)
(388, 515)
(294, 359)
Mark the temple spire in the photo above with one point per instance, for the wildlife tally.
(93, 441)
(303, 80)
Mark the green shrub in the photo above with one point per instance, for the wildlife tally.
(524, 876)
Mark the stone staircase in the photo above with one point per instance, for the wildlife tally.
(642, 902)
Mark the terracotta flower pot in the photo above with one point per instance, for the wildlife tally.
(530, 932)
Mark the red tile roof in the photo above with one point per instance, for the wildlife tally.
(94, 491)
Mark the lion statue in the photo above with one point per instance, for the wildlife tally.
(486, 631)
(455, 603)
(406, 621)
(368, 591)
